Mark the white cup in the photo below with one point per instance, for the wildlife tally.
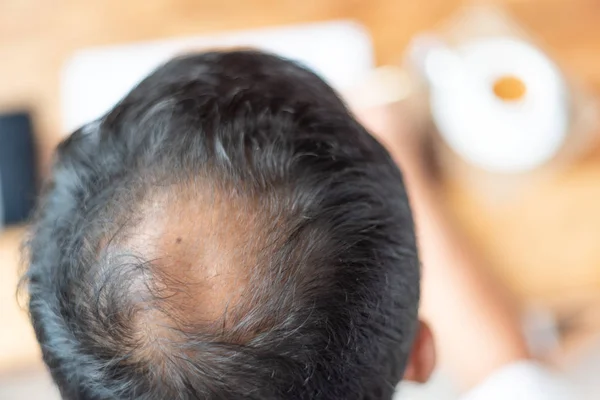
(498, 129)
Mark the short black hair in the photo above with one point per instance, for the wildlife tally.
(332, 311)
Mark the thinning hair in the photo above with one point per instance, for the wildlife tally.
(227, 231)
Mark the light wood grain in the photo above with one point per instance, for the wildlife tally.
(18, 348)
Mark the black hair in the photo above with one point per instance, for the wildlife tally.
(332, 309)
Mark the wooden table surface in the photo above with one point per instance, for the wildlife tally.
(544, 246)
(18, 348)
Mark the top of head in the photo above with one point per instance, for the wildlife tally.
(228, 230)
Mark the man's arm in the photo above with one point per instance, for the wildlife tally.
(478, 332)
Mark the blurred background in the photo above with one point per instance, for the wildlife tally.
(532, 214)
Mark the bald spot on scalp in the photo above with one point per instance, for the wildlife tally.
(205, 248)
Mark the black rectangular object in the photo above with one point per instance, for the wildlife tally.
(17, 168)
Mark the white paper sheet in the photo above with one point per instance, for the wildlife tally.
(93, 80)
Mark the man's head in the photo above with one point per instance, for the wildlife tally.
(227, 231)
